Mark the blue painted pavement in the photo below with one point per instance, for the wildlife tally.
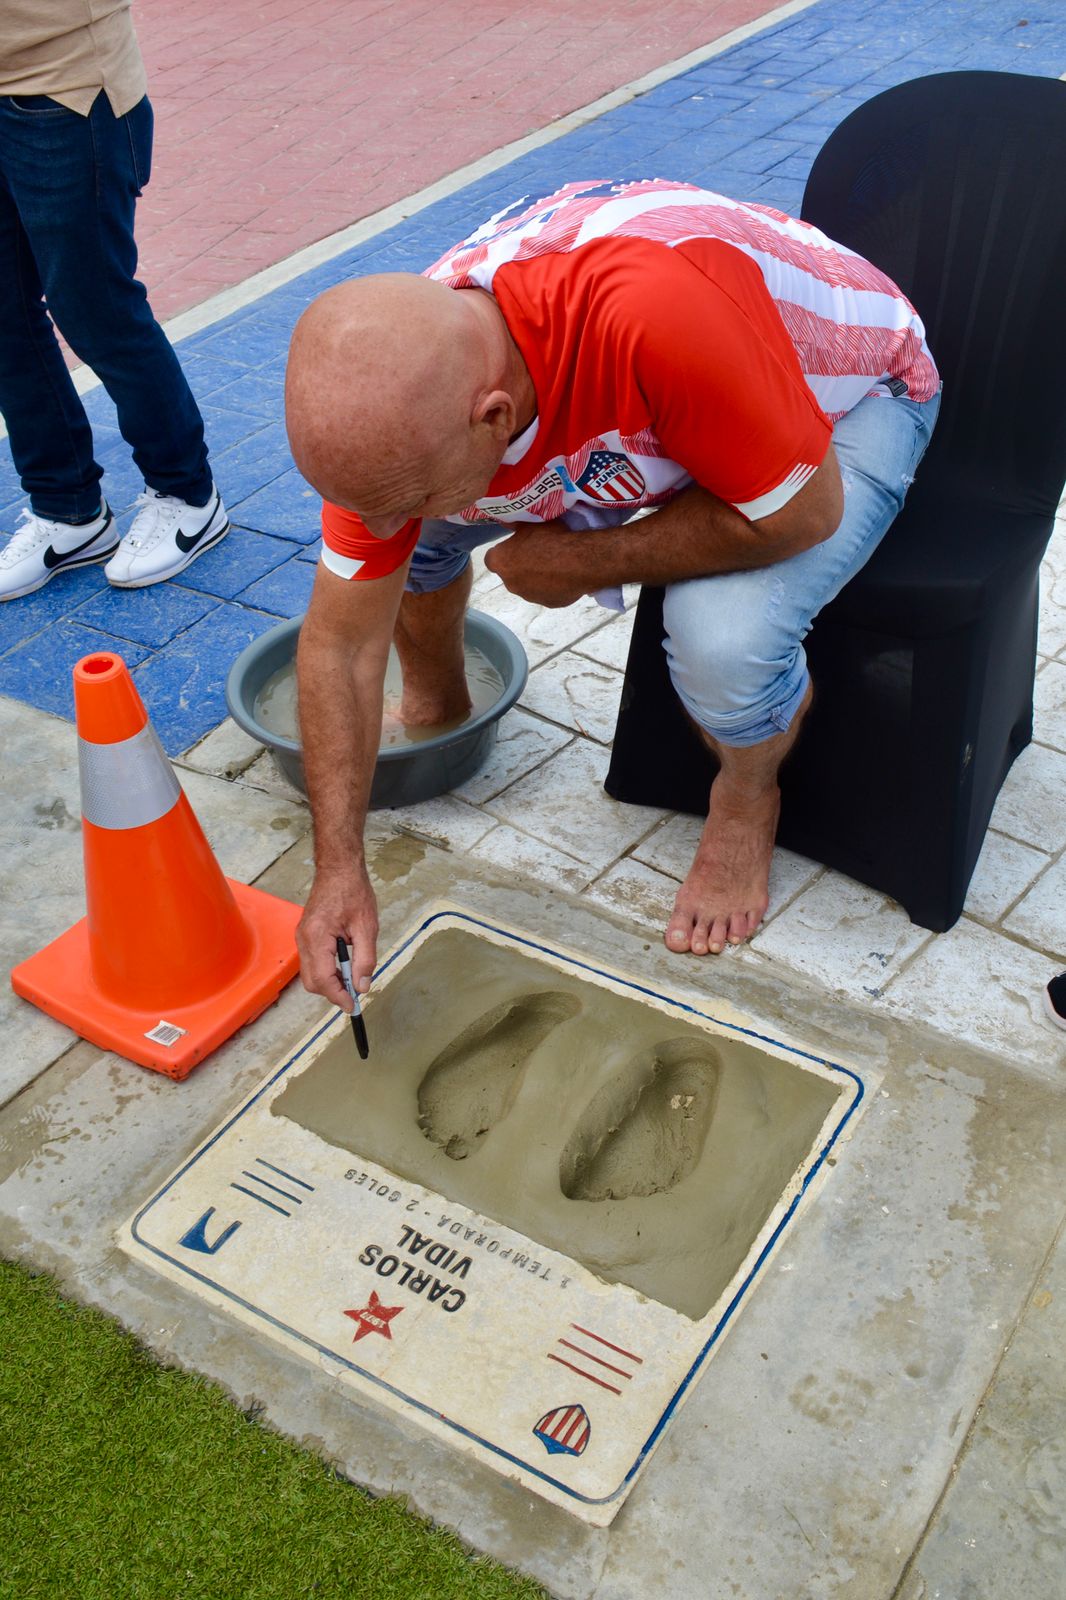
(747, 122)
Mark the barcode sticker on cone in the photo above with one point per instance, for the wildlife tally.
(165, 1033)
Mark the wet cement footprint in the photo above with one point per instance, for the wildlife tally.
(645, 1130)
(472, 1084)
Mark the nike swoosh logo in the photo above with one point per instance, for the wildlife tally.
(188, 541)
(56, 558)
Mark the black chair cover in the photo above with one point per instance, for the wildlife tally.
(954, 185)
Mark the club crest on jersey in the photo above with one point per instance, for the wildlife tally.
(611, 478)
(564, 1431)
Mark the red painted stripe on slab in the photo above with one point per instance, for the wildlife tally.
(568, 1345)
(617, 1348)
(591, 1378)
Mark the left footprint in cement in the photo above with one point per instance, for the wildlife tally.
(472, 1084)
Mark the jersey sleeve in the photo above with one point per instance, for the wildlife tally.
(723, 383)
(351, 551)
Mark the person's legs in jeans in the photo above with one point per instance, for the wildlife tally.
(74, 183)
(51, 443)
(735, 651)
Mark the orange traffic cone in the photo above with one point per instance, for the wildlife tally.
(172, 957)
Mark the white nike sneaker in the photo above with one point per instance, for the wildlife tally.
(165, 536)
(36, 552)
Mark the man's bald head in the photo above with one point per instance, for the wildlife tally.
(398, 393)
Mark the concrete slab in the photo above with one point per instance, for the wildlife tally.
(1004, 1512)
(847, 935)
(563, 803)
(680, 1156)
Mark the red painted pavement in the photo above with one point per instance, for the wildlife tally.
(279, 122)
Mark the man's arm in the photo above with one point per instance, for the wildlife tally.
(341, 660)
(695, 535)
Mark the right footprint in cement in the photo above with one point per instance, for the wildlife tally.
(472, 1084)
(645, 1130)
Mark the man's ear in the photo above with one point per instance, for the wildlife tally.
(495, 410)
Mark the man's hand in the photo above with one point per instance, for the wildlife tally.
(541, 562)
(339, 903)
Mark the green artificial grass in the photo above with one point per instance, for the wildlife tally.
(122, 1479)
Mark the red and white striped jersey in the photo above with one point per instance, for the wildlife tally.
(673, 336)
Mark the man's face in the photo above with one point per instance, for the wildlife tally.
(444, 481)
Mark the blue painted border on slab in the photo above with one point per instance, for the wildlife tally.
(454, 916)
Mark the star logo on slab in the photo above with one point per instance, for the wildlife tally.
(374, 1318)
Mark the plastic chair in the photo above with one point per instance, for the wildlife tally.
(954, 185)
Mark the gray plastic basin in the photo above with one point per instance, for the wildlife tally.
(406, 774)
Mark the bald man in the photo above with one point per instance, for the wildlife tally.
(610, 349)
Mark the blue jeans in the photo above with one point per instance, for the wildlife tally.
(734, 642)
(68, 188)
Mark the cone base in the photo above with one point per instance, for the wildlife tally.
(59, 980)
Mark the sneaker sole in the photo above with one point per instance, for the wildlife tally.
(56, 572)
(171, 572)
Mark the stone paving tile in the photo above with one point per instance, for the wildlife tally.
(1040, 919)
(287, 507)
(543, 632)
(265, 774)
(1049, 705)
(63, 597)
(285, 592)
(39, 670)
(252, 463)
(151, 617)
(580, 694)
(1030, 805)
(636, 892)
(224, 753)
(984, 990)
(260, 393)
(844, 935)
(184, 688)
(563, 804)
(228, 569)
(223, 428)
(516, 851)
(1004, 871)
(522, 743)
(671, 847)
(610, 645)
(246, 831)
(446, 822)
(1004, 1511)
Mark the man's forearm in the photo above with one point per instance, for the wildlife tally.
(695, 535)
(340, 729)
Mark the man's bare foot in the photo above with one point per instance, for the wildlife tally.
(429, 639)
(429, 702)
(724, 897)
